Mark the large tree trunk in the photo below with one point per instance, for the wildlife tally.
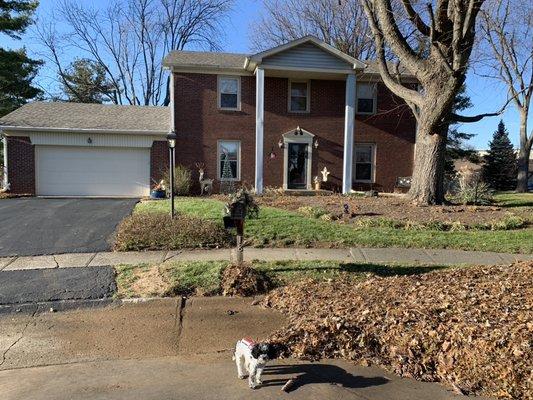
(427, 185)
(523, 169)
(523, 153)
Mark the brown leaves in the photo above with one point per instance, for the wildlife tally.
(471, 328)
(242, 280)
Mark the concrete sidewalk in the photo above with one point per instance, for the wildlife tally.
(356, 255)
(171, 349)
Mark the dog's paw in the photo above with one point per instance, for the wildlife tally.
(242, 376)
(253, 386)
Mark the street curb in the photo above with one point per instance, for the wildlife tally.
(56, 305)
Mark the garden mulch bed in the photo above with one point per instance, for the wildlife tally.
(470, 328)
(394, 208)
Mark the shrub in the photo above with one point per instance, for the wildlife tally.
(510, 221)
(471, 189)
(156, 231)
(312, 212)
(182, 180)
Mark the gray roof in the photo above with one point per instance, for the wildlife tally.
(205, 59)
(88, 116)
(234, 61)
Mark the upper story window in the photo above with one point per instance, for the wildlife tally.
(366, 98)
(229, 93)
(229, 160)
(299, 96)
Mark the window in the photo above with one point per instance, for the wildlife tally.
(364, 162)
(229, 92)
(299, 96)
(229, 160)
(366, 98)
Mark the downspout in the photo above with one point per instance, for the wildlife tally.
(5, 184)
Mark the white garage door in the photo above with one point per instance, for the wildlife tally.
(92, 171)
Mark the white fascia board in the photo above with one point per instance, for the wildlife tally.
(6, 129)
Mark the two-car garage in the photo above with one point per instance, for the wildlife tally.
(85, 150)
(92, 171)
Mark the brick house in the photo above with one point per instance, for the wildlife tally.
(299, 108)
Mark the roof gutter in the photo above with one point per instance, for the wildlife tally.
(14, 128)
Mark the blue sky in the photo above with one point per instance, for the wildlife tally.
(486, 95)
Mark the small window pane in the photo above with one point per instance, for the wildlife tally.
(363, 172)
(229, 86)
(298, 104)
(365, 91)
(228, 100)
(299, 89)
(365, 105)
(363, 154)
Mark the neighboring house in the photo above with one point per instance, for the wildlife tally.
(299, 108)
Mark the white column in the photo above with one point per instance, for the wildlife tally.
(349, 122)
(259, 122)
(171, 104)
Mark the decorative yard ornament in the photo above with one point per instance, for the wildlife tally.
(325, 173)
(316, 181)
(206, 185)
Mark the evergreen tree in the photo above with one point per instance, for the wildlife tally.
(17, 70)
(456, 147)
(500, 168)
(85, 82)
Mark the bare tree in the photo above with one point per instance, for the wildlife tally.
(341, 24)
(448, 29)
(507, 26)
(131, 37)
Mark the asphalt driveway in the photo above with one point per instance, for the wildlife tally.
(35, 226)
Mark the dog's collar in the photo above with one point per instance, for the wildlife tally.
(248, 342)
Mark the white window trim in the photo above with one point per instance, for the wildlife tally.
(373, 162)
(219, 105)
(375, 98)
(308, 109)
(219, 171)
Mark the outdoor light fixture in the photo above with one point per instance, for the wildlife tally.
(89, 140)
(298, 130)
(316, 144)
(171, 138)
(280, 144)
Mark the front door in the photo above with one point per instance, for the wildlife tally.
(297, 160)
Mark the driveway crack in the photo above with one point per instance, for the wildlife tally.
(4, 354)
(55, 260)
(180, 311)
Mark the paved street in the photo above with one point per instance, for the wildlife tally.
(51, 285)
(34, 226)
(166, 349)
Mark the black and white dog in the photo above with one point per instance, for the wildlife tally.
(251, 358)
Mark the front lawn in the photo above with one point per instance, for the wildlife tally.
(277, 227)
(203, 277)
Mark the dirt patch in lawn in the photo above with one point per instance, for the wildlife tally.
(149, 282)
(391, 207)
(470, 328)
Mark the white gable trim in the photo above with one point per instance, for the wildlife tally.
(251, 62)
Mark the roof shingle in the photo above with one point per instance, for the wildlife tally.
(205, 59)
(89, 116)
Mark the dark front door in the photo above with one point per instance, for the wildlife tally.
(297, 166)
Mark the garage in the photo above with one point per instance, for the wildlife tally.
(92, 171)
(61, 149)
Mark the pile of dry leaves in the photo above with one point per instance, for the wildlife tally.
(471, 328)
(243, 280)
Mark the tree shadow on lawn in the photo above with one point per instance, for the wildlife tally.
(307, 374)
(376, 269)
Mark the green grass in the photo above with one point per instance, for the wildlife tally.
(280, 228)
(182, 278)
(511, 199)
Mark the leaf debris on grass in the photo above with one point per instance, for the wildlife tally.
(470, 328)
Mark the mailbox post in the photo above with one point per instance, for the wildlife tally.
(235, 219)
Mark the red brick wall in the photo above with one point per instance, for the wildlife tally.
(158, 161)
(199, 124)
(21, 165)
